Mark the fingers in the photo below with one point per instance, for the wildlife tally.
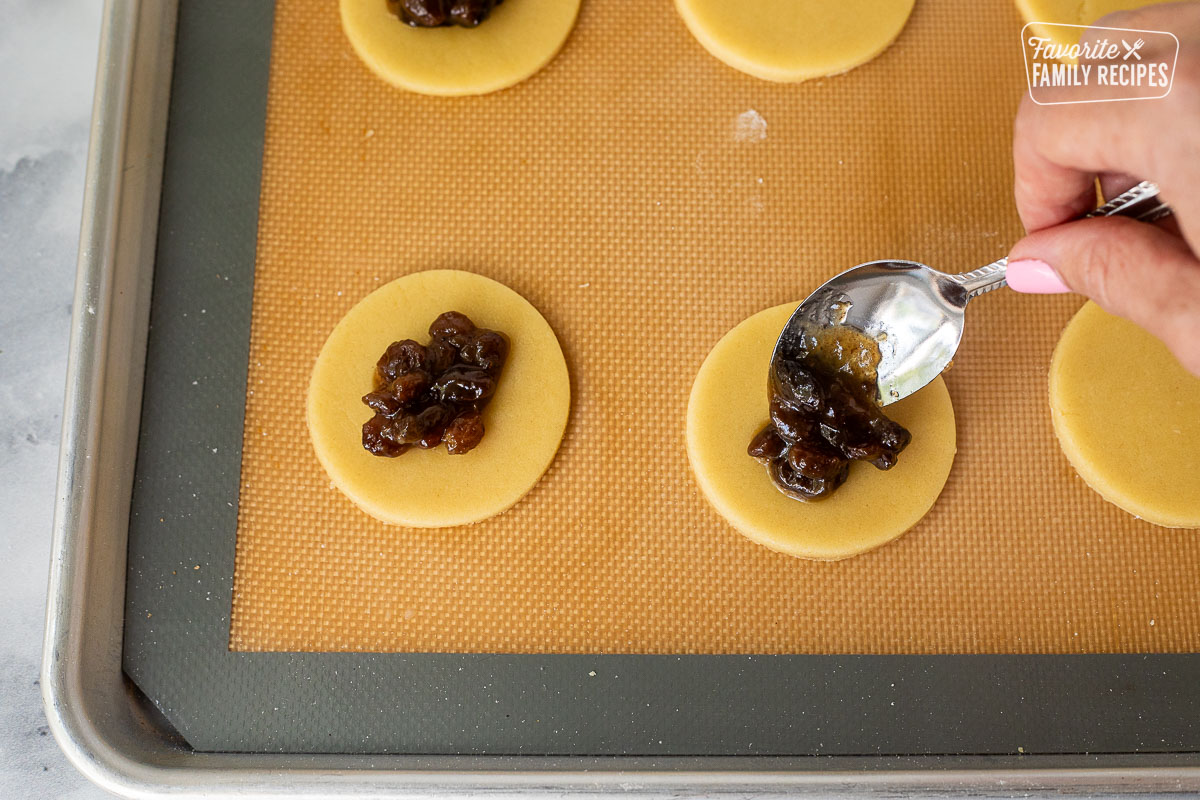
(1158, 16)
(1047, 192)
(1113, 183)
(1129, 268)
(1059, 150)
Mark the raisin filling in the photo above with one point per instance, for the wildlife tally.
(433, 394)
(824, 415)
(436, 13)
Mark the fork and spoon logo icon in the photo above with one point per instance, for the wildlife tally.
(1132, 49)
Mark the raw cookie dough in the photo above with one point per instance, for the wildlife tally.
(1070, 12)
(794, 40)
(515, 41)
(1127, 415)
(728, 406)
(431, 488)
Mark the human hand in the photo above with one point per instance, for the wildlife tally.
(1147, 273)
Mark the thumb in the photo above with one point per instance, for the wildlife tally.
(1129, 268)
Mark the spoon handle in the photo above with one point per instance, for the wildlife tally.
(1140, 202)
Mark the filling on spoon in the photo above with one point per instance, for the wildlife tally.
(825, 414)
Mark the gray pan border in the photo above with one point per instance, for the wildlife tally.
(124, 746)
(184, 516)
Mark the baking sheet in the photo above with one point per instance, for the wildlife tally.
(674, 712)
(646, 198)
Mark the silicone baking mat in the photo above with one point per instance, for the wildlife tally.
(646, 198)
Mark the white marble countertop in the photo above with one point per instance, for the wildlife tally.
(48, 60)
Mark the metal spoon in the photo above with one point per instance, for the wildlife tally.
(915, 312)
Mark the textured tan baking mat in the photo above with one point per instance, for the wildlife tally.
(647, 198)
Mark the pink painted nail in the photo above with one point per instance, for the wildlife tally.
(1031, 276)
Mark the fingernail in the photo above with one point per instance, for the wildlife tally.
(1031, 276)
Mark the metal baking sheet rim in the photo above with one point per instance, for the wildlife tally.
(93, 710)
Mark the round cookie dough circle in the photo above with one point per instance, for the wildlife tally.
(431, 488)
(794, 40)
(1127, 415)
(515, 41)
(728, 405)
(1070, 12)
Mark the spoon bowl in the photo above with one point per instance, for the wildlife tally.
(914, 312)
